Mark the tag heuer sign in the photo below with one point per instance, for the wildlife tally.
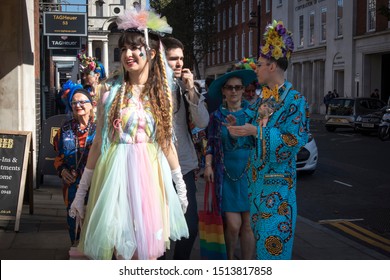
(64, 24)
(63, 42)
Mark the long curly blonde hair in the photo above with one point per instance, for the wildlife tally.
(156, 88)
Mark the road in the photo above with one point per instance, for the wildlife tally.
(350, 190)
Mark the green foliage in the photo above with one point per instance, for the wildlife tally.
(193, 24)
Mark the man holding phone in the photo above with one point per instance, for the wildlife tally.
(188, 106)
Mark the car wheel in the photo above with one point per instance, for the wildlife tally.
(331, 128)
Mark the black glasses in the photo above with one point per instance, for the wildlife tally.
(236, 88)
(80, 102)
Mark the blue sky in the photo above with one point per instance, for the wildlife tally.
(70, 8)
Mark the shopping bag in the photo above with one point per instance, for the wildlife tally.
(212, 240)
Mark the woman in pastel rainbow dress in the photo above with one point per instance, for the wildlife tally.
(133, 209)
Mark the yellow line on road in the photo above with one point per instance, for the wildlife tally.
(368, 233)
(361, 236)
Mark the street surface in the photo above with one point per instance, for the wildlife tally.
(350, 190)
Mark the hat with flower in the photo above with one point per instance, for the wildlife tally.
(143, 21)
(246, 63)
(88, 64)
(278, 42)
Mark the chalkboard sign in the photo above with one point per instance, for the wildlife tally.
(14, 155)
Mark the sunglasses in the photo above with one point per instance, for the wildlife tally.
(236, 88)
(80, 102)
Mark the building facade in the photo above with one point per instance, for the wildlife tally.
(101, 42)
(339, 45)
(19, 71)
(237, 25)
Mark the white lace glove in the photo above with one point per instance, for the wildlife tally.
(181, 188)
(77, 206)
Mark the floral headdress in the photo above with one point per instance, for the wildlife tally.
(87, 64)
(246, 63)
(278, 42)
(143, 21)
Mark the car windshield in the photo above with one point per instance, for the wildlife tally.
(371, 104)
(341, 107)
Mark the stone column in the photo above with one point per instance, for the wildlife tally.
(90, 51)
(105, 55)
(314, 88)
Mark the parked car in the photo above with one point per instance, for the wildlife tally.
(343, 112)
(370, 122)
(307, 157)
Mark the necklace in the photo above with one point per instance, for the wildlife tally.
(241, 175)
(82, 131)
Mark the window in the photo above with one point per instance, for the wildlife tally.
(223, 20)
(243, 13)
(300, 28)
(371, 17)
(339, 18)
(98, 54)
(230, 16)
(311, 28)
(230, 48)
(243, 45)
(251, 43)
(323, 24)
(224, 51)
(117, 54)
(267, 6)
(236, 14)
(219, 53)
(99, 11)
(236, 47)
(219, 22)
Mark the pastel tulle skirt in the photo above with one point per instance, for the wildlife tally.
(133, 209)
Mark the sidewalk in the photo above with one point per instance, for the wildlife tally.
(43, 235)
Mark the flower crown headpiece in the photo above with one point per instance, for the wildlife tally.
(143, 21)
(87, 63)
(246, 63)
(278, 42)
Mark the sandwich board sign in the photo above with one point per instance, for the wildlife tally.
(14, 158)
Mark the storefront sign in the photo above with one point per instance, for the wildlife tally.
(63, 42)
(64, 24)
(305, 4)
(14, 158)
